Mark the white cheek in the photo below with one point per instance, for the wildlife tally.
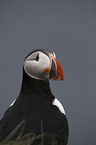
(44, 62)
(36, 69)
(59, 105)
(31, 68)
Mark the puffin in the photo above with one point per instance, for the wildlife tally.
(36, 104)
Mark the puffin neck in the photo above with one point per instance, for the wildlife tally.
(34, 85)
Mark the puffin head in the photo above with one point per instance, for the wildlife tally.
(42, 64)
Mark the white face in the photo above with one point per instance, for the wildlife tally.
(36, 64)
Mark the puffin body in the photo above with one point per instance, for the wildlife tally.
(36, 103)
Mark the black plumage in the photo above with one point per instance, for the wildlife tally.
(34, 105)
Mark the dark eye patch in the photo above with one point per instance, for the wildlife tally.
(37, 57)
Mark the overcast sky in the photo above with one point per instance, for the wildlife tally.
(67, 27)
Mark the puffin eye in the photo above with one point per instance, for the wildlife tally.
(37, 57)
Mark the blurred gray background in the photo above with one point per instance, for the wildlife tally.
(68, 27)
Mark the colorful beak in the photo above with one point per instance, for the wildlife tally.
(56, 72)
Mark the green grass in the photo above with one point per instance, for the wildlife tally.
(16, 137)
